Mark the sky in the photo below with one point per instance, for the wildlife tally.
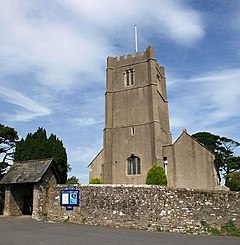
(53, 64)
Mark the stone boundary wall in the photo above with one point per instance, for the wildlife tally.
(146, 207)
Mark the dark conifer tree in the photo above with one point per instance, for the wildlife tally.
(38, 146)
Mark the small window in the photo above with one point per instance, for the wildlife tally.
(165, 163)
(134, 166)
(129, 77)
(158, 82)
(132, 131)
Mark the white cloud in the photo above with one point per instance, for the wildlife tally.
(215, 95)
(82, 121)
(56, 50)
(177, 21)
(63, 40)
(222, 90)
(173, 19)
(29, 109)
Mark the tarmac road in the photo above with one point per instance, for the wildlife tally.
(25, 231)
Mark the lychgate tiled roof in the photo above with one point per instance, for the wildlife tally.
(30, 171)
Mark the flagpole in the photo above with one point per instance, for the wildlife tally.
(136, 48)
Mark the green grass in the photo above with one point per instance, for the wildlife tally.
(159, 229)
(229, 229)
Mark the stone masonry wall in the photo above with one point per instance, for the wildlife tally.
(40, 195)
(147, 207)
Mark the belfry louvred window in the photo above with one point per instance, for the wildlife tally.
(129, 77)
(134, 165)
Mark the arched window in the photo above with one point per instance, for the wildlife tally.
(134, 165)
(129, 77)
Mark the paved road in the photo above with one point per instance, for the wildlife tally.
(25, 231)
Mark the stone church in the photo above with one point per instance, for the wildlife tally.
(137, 132)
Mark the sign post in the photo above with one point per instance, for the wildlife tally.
(69, 197)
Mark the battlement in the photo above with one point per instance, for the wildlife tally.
(130, 59)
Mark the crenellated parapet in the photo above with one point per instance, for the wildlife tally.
(130, 59)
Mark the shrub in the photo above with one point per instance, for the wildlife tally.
(156, 176)
(96, 181)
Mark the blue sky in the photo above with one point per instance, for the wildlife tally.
(53, 61)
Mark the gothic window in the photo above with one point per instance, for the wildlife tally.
(129, 77)
(134, 166)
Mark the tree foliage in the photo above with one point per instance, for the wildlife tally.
(72, 180)
(225, 160)
(39, 146)
(96, 181)
(156, 176)
(234, 181)
(8, 138)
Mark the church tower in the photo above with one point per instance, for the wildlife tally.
(137, 133)
(137, 119)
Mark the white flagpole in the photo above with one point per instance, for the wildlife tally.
(136, 48)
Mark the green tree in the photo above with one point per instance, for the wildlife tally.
(156, 176)
(225, 160)
(72, 180)
(96, 181)
(39, 146)
(8, 138)
(234, 181)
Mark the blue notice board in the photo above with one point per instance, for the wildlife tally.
(69, 197)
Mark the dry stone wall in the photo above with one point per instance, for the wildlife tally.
(147, 207)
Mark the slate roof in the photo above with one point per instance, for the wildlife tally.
(30, 171)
